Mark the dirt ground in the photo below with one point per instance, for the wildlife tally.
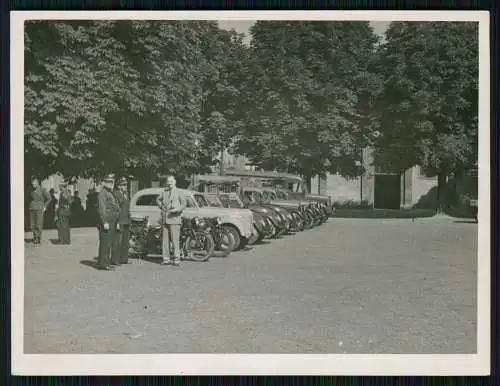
(349, 286)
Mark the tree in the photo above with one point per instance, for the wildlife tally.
(221, 110)
(427, 110)
(74, 79)
(308, 96)
(118, 96)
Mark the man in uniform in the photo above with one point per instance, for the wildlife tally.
(120, 252)
(171, 203)
(39, 201)
(108, 216)
(63, 215)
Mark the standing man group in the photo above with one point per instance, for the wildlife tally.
(114, 216)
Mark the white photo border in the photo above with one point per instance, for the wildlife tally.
(246, 364)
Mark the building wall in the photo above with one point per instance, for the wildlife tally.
(421, 184)
(414, 185)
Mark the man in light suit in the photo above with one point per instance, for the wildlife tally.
(171, 203)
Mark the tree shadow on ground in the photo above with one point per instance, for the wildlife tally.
(385, 213)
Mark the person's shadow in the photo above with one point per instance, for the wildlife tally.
(91, 263)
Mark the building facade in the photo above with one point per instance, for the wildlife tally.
(374, 188)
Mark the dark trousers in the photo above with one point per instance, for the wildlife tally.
(36, 222)
(63, 229)
(120, 250)
(107, 239)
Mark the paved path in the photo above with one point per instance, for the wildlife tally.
(350, 286)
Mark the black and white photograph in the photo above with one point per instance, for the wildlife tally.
(310, 188)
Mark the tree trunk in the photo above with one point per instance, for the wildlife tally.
(221, 168)
(441, 197)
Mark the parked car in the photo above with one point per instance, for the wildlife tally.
(223, 185)
(291, 185)
(298, 214)
(325, 202)
(237, 221)
(258, 222)
(262, 222)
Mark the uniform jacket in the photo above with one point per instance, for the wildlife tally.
(124, 204)
(64, 204)
(171, 200)
(39, 199)
(109, 209)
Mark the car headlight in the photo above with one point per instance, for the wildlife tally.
(219, 221)
(197, 221)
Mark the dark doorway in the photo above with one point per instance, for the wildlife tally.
(387, 191)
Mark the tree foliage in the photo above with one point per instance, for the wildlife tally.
(427, 109)
(119, 96)
(309, 99)
(222, 109)
(157, 97)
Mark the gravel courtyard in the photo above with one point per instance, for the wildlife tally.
(349, 286)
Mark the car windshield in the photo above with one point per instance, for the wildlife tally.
(281, 195)
(235, 203)
(214, 201)
(266, 196)
(190, 202)
(259, 197)
(231, 202)
(201, 200)
(248, 196)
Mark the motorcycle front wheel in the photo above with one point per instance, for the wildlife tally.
(200, 247)
(226, 243)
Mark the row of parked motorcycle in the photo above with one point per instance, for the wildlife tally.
(204, 237)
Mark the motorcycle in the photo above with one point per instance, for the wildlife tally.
(196, 244)
(224, 241)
